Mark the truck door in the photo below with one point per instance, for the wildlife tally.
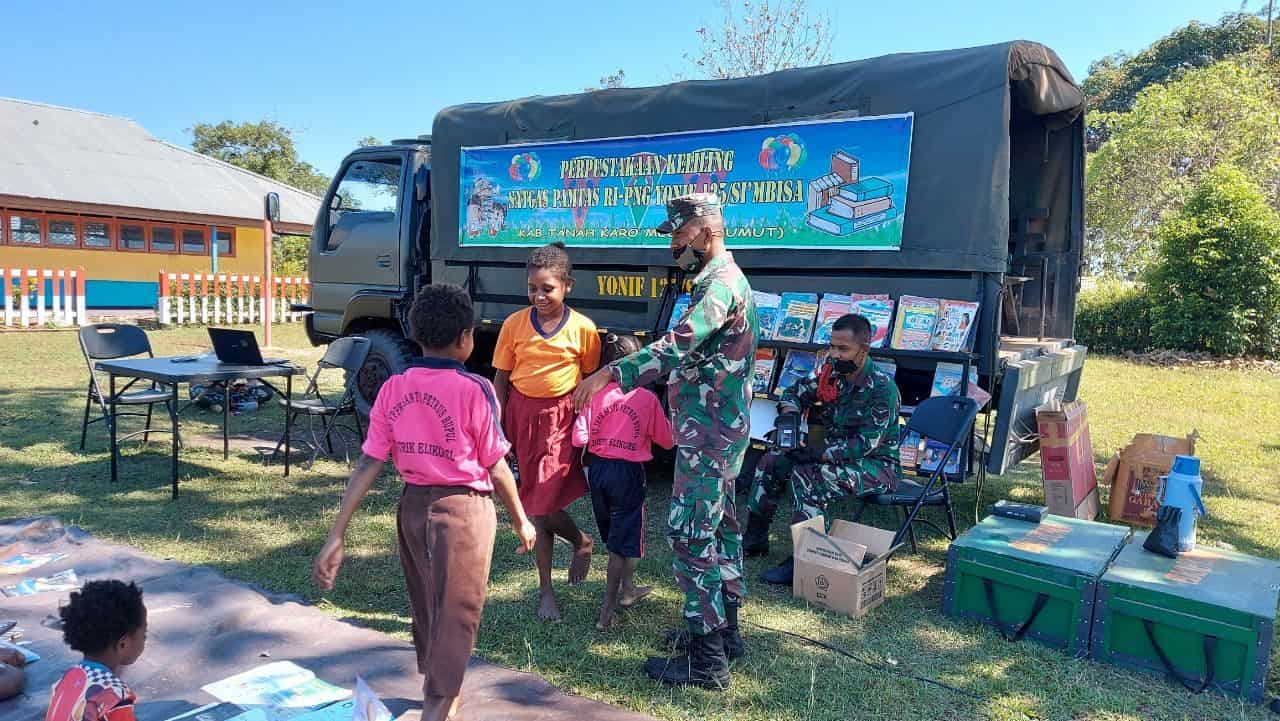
(359, 249)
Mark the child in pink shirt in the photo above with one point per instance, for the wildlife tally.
(616, 430)
(440, 425)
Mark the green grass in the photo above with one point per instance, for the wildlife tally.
(253, 524)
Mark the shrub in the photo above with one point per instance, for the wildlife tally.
(1114, 317)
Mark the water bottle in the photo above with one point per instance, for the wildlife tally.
(1181, 489)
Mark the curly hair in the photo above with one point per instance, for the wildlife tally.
(100, 614)
(618, 346)
(440, 314)
(553, 257)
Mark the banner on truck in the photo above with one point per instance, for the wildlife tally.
(830, 184)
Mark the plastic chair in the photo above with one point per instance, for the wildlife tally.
(113, 341)
(945, 419)
(347, 354)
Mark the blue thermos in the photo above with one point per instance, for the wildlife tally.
(1181, 489)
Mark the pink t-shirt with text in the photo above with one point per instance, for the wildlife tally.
(621, 425)
(439, 424)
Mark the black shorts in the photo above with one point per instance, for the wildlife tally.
(617, 499)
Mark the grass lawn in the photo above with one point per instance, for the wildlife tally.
(253, 524)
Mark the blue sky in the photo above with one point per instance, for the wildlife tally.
(336, 72)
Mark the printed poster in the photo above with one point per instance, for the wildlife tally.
(827, 184)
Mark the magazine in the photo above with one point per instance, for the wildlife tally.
(946, 379)
(956, 321)
(65, 581)
(796, 317)
(282, 683)
(767, 305)
(909, 450)
(23, 562)
(932, 456)
(799, 364)
(762, 376)
(678, 309)
(878, 310)
(916, 319)
(832, 307)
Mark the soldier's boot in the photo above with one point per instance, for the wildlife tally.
(705, 665)
(734, 647)
(782, 574)
(755, 541)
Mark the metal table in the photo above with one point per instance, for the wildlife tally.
(171, 373)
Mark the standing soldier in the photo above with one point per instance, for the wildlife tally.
(711, 350)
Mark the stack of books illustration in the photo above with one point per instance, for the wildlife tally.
(843, 203)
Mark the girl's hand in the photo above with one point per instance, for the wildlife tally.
(325, 569)
(527, 535)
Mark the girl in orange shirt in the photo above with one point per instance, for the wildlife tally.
(542, 353)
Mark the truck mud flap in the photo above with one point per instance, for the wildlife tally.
(1025, 385)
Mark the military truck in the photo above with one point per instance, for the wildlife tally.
(992, 211)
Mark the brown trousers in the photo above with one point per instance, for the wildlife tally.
(446, 546)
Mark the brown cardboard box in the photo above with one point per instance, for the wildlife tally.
(1066, 460)
(1134, 474)
(844, 570)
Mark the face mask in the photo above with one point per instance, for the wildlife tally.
(845, 366)
(688, 258)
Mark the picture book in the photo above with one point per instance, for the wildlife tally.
(909, 450)
(916, 319)
(932, 456)
(946, 379)
(211, 712)
(796, 317)
(799, 364)
(956, 321)
(282, 683)
(338, 711)
(878, 310)
(833, 306)
(767, 307)
(678, 309)
(28, 656)
(888, 365)
(65, 581)
(23, 562)
(762, 377)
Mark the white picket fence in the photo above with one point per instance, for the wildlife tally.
(27, 305)
(221, 298)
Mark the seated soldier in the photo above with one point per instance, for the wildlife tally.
(858, 404)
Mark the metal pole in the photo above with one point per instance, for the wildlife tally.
(213, 246)
(267, 278)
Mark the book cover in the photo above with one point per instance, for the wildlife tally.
(762, 374)
(64, 581)
(833, 306)
(888, 365)
(866, 189)
(844, 166)
(827, 222)
(822, 189)
(909, 450)
(853, 210)
(767, 305)
(23, 562)
(946, 379)
(796, 317)
(798, 365)
(917, 316)
(956, 321)
(932, 456)
(282, 683)
(678, 309)
(878, 310)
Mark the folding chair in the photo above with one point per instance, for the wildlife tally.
(347, 354)
(945, 419)
(112, 341)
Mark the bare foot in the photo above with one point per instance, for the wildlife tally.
(631, 596)
(547, 608)
(581, 563)
(453, 710)
(606, 622)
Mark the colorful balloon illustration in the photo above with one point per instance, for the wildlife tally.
(782, 151)
(524, 166)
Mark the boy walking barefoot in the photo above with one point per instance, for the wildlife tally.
(440, 425)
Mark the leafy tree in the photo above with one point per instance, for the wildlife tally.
(265, 147)
(1175, 133)
(765, 36)
(1217, 284)
(369, 141)
(289, 256)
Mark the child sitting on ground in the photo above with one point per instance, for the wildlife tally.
(107, 622)
(616, 430)
(440, 425)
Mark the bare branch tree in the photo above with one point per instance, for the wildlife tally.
(610, 81)
(755, 38)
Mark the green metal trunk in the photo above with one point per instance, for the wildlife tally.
(1209, 612)
(1031, 580)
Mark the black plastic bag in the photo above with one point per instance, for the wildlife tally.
(1163, 539)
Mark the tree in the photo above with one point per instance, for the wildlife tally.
(289, 256)
(610, 81)
(265, 147)
(765, 36)
(1224, 114)
(369, 141)
(1216, 286)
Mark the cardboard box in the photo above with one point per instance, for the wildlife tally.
(1134, 475)
(1066, 459)
(844, 570)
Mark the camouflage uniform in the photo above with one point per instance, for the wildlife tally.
(711, 350)
(861, 452)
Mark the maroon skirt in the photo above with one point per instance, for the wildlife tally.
(550, 470)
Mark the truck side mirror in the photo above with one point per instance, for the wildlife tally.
(273, 207)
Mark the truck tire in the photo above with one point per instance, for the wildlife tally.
(389, 354)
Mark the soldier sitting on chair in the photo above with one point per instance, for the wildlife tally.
(858, 404)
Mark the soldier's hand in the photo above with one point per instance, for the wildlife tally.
(589, 387)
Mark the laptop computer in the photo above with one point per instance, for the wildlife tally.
(239, 347)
